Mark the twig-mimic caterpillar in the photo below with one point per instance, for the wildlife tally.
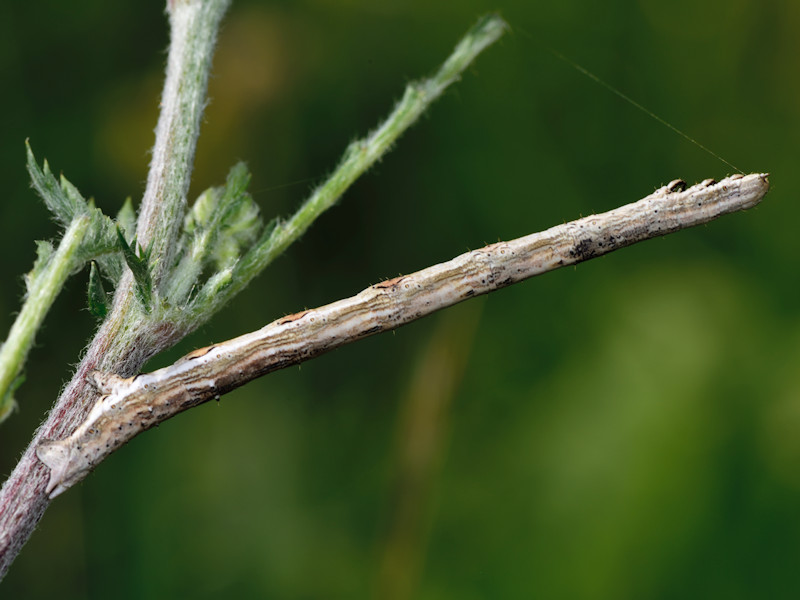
(130, 406)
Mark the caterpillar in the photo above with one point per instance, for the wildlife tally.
(128, 406)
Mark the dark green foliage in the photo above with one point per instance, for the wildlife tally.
(66, 203)
(96, 296)
(139, 263)
(64, 206)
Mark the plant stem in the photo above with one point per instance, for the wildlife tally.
(364, 153)
(361, 154)
(131, 335)
(193, 26)
(128, 337)
(45, 286)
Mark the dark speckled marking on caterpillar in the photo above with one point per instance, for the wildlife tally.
(128, 406)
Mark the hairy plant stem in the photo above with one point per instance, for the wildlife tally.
(362, 154)
(359, 157)
(44, 289)
(129, 337)
(193, 26)
(132, 333)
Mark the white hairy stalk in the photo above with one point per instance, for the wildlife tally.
(127, 338)
(152, 309)
(130, 406)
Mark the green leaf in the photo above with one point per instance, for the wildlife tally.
(63, 206)
(66, 204)
(44, 252)
(139, 264)
(224, 221)
(237, 180)
(7, 403)
(238, 230)
(218, 229)
(126, 217)
(96, 295)
(74, 198)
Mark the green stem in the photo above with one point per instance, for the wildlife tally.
(362, 154)
(45, 287)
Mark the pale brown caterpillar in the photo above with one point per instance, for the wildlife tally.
(130, 406)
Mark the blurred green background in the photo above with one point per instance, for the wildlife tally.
(629, 428)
